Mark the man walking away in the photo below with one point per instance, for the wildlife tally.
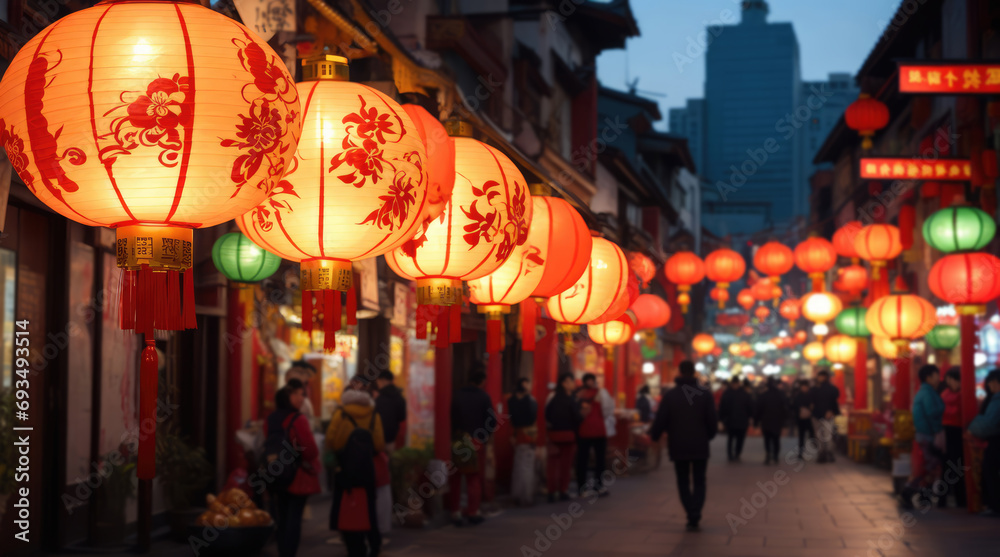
(471, 421)
(928, 409)
(735, 411)
(772, 410)
(802, 407)
(597, 409)
(825, 407)
(687, 415)
(391, 407)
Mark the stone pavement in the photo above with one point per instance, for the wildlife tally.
(839, 509)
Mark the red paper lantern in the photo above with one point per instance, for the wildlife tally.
(773, 259)
(569, 245)
(762, 312)
(724, 266)
(720, 295)
(815, 256)
(901, 317)
(801, 336)
(877, 244)
(745, 299)
(642, 266)
(747, 331)
(651, 311)
(440, 163)
(843, 240)
(717, 351)
(703, 343)
(612, 333)
(601, 284)
(684, 269)
(620, 307)
(968, 280)
(866, 116)
(762, 290)
(852, 279)
(789, 309)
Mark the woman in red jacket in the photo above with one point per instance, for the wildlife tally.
(952, 420)
(290, 502)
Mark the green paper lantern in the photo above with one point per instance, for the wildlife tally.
(851, 322)
(241, 260)
(959, 229)
(944, 337)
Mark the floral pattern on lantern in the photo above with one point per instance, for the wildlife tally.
(605, 280)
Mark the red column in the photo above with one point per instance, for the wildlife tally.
(494, 377)
(545, 363)
(442, 403)
(901, 391)
(840, 381)
(631, 379)
(968, 396)
(861, 376)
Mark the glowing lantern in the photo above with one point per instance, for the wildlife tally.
(642, 266)
(747, 331)
(851, 322)
(813, 352)
(724, 266)
(612, 333)
(745, 299)
(720, 295)
(604, 281)
(789, 309)
(620, 308)
(866, 116)
(102, 120)
(843, 240)
(815, 256)
(901, 317)
(851, 279)
(703, 343)
(820, 307)
(440, 162)
(840, 349)
(651, 311)
(943, 337)
(968, 280)
(485, 219)
(801, 336)
(762, 312)
(762, 290)
(717, 351)
(773, 259)
(776, 294)
(684, 269)
(736, 349)
(357, 188)
(244, 263)
(885, 347)
(877, 244)
(959, 229)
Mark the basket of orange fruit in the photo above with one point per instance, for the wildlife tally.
(232, 525)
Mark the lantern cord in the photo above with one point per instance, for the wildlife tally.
(307, 311)
(148, 379)
(528, 317)
(352, 305)
(443, 318)
(190, 320)
(174, 312)
(493, 336)
(421, 332)
(455, 327)
(331, 319)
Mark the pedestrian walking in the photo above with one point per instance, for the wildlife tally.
(735, 412)
(597, 411)
(687, 415)
(952, 421)
(645, 404)
(287, 427)
(303, 372)
(391, 407)
(523, 410)
(802, 408)
(927, 410)
(770, 415)
(826, 405)
(562, 419)
(356, 437)
(986, 426)
(472, 424)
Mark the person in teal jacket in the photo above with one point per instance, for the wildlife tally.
(928, 410)
(986, 426)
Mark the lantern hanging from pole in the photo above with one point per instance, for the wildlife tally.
(642, 266)
(356, 189)
(724, 266)
(244, 263)
(840, 349)
(651, 311)
(885, 347)
(901, 318)
(773, 259)
(843, 240)
(601, 284)
(959, 229)
(745, 299)
(851, 322)
(943, 337)
(878, 244)
(703, 344)
(789, 309)
(720, 295)
(485, 219)
(813, 352)
(685, 269)
(440, 162)
(866, 116)
(967, 280)
(611, 333)
(152, 118)
(815, 256)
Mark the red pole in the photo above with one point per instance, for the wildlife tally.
(861, 376)
(234, 415)
(545, 362)
(631, 379)
(901, 393)
(839, 381)
(442, 400)
(968, 397)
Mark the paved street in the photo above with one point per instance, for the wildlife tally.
(841, 509)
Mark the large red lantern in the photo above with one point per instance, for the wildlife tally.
(762, 312)
(485, 219)
(762, 290)
(604, 281)
(773, 259)
(866, 116)
(789, 309)
(684, 269)
(337, 204)
(724, 266)
(852, 279)
(440, 163)
(720, 295)
(651, 311)
(152, 118)
(878, 244)
(815, 256)
(620, 308)
(569, 245)
(901, 317)
(745, 299)
(843, 240)
(968, 280)
(642, 266)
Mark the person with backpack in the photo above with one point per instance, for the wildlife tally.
(287, 431)
(356, 438)
(472, 424)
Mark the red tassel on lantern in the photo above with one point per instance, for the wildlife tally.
(148, 380)
(423, 314)
(175, 314)
(441, 340)
(144, 299)
(493, 335)
(529, 314)
(455, 326)
(126, 307)
(331, 319)
(190, 319)
(307, 311)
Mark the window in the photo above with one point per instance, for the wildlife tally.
(8, 294)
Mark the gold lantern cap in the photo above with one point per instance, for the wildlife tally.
(325, 67)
